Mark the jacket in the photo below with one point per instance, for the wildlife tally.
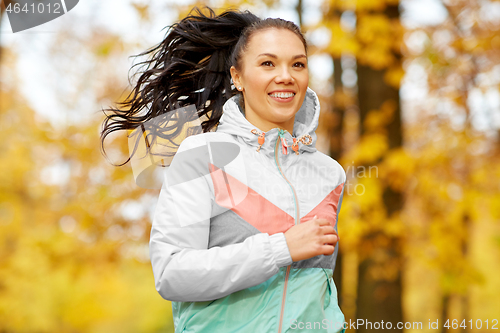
(217, 243)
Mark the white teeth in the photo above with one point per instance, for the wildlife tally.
(283, 95)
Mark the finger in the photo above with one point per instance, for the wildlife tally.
(323, 221)
(330, 239)
(327, 249)
(328, 229)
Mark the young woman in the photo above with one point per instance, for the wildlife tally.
(244, 233)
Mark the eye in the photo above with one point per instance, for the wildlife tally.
(299, 64)
(267, 63)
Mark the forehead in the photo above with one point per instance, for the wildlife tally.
(281, 42)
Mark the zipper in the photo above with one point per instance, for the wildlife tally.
(281, 139)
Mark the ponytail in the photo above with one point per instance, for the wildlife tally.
(190, 66)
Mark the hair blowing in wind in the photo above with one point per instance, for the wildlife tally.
(191, 66)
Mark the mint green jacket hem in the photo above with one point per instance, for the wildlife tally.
(311, 306)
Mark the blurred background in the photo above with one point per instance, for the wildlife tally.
(410, 94)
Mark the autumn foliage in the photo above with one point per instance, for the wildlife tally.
(74, 229)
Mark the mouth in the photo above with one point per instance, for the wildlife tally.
(282, 96)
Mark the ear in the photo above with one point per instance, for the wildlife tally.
(236, 77)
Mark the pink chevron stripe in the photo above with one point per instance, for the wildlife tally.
(251, 206)
(260, 212)
(327, 208)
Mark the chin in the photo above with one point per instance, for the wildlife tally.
(283, 118)
(289, 112)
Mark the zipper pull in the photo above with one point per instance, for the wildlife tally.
(284, 146)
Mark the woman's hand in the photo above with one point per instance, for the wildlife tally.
(311, 238)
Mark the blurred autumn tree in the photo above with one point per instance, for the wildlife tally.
(455, 146)
(397, 227)
(419, 222)
(73, 229)
(366, 43)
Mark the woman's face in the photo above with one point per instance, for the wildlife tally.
(273, 78)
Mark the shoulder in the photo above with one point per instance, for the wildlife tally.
(192, 141)
(202, 139)
(208, 148)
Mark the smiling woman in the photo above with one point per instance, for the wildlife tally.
(273, 77)
(244, 236)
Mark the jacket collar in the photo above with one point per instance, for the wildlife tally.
(234, 122)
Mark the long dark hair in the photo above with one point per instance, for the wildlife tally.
(190, 66)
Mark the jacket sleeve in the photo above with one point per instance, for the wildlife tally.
(184, 268)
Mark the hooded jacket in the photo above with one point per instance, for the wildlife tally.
(217, 244)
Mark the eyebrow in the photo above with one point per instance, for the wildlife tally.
(275, 56)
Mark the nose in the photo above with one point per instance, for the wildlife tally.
(284, 76)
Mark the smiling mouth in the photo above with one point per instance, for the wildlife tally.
(282, 95)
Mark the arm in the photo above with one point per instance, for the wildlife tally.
(184, 268)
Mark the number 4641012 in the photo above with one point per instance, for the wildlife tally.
(478, 324)
(40, 8)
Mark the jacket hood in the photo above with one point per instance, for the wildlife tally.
(233, 122)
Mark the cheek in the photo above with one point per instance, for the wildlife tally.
(257, 84)
(304, 79)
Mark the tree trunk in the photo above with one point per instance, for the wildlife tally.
(298, 9)
(335, 132)
(380, 298)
